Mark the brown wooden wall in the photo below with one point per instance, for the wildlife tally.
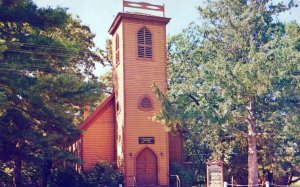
(118, 80)
(176, 148)
(98, 139)
(139, 76)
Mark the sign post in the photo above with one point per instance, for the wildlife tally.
(215, 174)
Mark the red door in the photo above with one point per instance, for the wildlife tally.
(146, 168)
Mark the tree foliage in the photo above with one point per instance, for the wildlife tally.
(234, 84)
(46, 64)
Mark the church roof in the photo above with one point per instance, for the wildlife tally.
(87, 122)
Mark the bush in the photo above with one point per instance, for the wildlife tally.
(66, 177)
(5, 178)
(103, 174)
(186, 176)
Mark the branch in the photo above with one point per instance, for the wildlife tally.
(293, 181)
(217, 113)
(194, 99)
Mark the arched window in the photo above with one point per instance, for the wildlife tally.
(144, 43)
(117, 49)
(145, 103)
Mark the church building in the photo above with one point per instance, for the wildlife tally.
(122, 130)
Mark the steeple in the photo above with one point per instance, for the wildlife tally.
(139, 60)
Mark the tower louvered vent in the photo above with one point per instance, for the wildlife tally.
(144, 43)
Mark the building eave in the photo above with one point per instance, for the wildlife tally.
(145, 17)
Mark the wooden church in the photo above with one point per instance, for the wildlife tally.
(121, 129)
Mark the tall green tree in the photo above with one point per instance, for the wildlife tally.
(46, 64)
(236, 80)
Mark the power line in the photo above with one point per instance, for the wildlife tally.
(41, 53)
(30, 65)
(44, 46)
(33, 59)
(48, 53)
(34, 71)
(40, 45)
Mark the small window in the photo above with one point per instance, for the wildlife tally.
(117, 49)
(144, 43)
(145, 103)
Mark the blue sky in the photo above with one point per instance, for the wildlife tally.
(99, 14)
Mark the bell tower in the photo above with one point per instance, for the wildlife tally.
(139, 60)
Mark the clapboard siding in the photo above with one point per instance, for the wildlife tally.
(176, 148)
(98, 138)
(118, 80)
(139, 76)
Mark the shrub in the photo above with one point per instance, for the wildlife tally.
(103, 174)
(67, 176)
(186, 176)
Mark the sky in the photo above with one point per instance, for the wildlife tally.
(99, 15)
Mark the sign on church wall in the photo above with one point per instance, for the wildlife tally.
(146, 140)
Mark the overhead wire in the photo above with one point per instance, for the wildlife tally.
(33, 71)
(39, 45)
(36, 68)
(58, 54)
(33, 59)
(46, 47)
(41, 53)
(24, 44)
(35, 65)
(52, 53)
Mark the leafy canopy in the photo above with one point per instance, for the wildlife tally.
(46, 65)
(234, 83)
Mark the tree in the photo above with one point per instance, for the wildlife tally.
(46, 64)
(237, 79)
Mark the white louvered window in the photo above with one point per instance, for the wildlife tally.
(117, 49)
(144, 43)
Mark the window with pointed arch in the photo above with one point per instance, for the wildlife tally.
(117, 49)
(145, 103)
(144, 37)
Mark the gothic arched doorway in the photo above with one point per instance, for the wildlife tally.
(146, 168)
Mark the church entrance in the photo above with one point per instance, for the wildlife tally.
(146, 168)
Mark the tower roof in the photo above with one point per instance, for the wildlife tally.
(136, 16)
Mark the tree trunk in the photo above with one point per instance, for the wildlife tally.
(46, 172)
(17, 173)
(252, 141)
(252, 161)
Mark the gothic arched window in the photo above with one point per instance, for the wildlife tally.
(144, 37)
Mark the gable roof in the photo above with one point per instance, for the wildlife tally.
(87, 121)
